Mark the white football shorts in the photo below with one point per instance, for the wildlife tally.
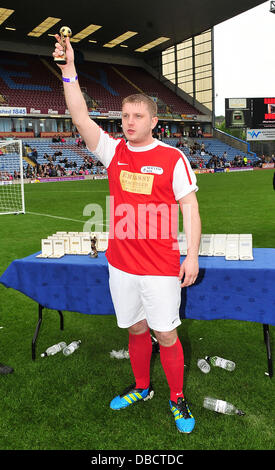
(154, 298)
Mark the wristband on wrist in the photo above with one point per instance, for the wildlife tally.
(70, 80)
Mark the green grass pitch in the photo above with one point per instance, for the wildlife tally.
(63, 403)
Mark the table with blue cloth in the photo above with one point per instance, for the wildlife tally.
(236, 290)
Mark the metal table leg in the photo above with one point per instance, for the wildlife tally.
(40, 308)
(268, 349)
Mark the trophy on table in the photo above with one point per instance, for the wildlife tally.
(65, 31)
(94, 253)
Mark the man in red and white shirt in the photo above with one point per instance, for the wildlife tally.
(147, 180)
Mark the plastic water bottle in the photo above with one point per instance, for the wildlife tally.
(71, 347)
(217, 361)
(203, 366)
(54, 349)
(221, 406)
(155, 344)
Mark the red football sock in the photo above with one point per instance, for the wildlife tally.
(140, 351)
(172, 360)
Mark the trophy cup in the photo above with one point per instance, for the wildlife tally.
(65, 31)
(94, 253)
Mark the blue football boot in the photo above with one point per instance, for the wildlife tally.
(184, 420)
(131, 395)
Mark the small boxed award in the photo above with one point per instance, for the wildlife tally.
(85, 245)
(85, 234)
(219, 244)
(245, 247)
(58, 248)
(182, 244)
(102, 241)
(206, 245)
(232, 247)
(46, 248)
(75, 245)
(66, 239)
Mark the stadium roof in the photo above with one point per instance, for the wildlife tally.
(145, 22)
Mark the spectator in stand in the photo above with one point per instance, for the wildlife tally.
(53, 171)
(224, 155)
(34, 153)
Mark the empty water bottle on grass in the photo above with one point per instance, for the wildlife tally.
(155, 344)
(217, 361)
(203, 366)
(54, 349)
(221, 406)
(71, 347)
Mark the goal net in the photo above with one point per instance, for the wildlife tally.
(11, 177)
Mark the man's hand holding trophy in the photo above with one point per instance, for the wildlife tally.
(63, 54)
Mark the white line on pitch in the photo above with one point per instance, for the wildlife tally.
(63, 218)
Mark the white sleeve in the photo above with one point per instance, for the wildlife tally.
(184, 178)
(106, 148)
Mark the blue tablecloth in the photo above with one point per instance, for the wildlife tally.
(239, 290)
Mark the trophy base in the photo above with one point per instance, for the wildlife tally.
(60, 61)
(94, 254)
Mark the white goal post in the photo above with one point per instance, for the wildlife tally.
(11, 177)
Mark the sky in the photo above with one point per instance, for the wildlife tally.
(244, 49)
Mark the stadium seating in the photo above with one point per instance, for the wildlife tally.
(73, 153)
(153, 87)
(31, 82)
(26, 82)
(214, 147)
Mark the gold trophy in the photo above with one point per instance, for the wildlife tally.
(65, 31)
(94, 253)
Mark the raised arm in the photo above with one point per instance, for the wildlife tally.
(87, 128)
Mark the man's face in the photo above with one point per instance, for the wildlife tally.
(137, 123)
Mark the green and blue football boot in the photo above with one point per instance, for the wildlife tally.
(184, 420)
(131, 395)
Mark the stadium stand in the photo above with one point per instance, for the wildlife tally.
(80, 161)
(153, 87)
(33, 82)
(26, 82)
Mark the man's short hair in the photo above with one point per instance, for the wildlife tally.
(142, 98)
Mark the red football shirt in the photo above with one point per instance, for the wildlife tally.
(145, 185)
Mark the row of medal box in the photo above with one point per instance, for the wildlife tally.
(73, 243)
(233, 246)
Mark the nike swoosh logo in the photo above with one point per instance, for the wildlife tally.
(119, 163)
